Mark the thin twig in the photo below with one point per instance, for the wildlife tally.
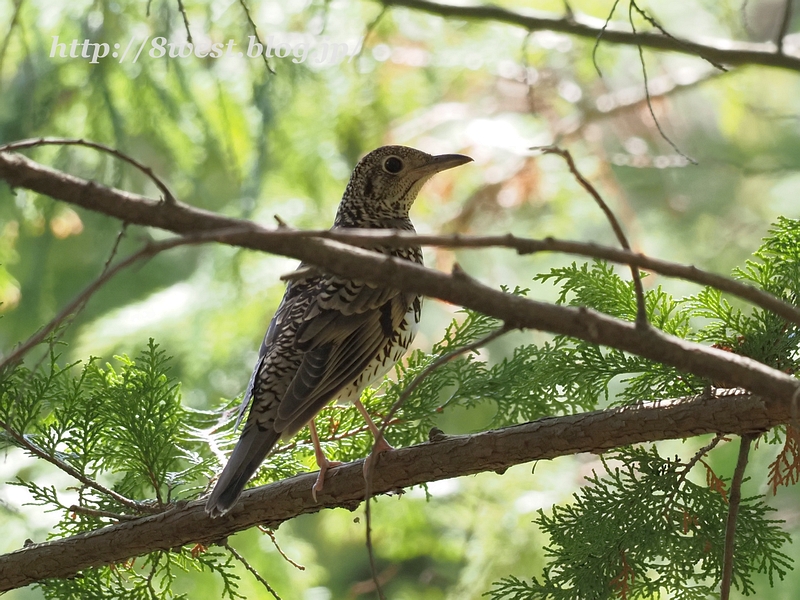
(185, 21)
(369, 29)
(368, 518)
(79, 308)
(687, 468)
(94, 512)
(698, 456)
(369, 464)
(115, 248)
(32, 143)
(641, 307)
(633, 6)
(252, 569)
(28, 445)
(568, 12)
(658, 26)
(7, 38)
(787, 17)
(155, 558)
(147, 251)
(733, 511)
(271, 535)
(600, 36)
(255, 33)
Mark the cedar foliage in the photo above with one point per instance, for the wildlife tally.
(638, 530)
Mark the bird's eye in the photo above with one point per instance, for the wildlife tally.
(393, 165)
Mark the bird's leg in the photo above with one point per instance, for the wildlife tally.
(381, 445)
(322, 461)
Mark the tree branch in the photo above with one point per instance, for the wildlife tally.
(35, 450)
(730, 411)
(726, 52)
(366, 237)
(37, 142)
(733, 511)
(641, 308)
(784, 28)
(457, 288)
(22, 172)
(146, 252)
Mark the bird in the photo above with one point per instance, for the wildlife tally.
(331, 337)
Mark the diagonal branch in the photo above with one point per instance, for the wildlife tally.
(750, 293)
(641, 308)
(725, 52)
(447, 456)
(147, 252)
(36, 142)
(456, 288)
(22, 172)
(35, 450)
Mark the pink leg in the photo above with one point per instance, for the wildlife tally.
(381, 445)
(322, 461)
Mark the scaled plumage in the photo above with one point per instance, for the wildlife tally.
(331, 337)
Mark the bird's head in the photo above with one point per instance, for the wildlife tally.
(386, 182)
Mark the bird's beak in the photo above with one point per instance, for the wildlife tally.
(440, 163)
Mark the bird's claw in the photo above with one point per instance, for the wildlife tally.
(323, 468)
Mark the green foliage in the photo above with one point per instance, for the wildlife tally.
(598, 286)
(641, 530)
(645, 529)
(146, 578)
(756, 333)
(759, 334)
(125, 425)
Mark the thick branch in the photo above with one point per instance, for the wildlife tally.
(443, 458)
(750, 293)
(372, 267)
(720, 51)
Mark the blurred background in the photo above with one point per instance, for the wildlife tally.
(229, 136)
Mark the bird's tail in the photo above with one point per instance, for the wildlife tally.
(250, 451)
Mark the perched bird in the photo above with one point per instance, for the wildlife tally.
(331, 337)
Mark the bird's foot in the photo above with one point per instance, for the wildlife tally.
(324, 464)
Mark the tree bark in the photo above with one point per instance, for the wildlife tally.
(456, 288)
(442, 458)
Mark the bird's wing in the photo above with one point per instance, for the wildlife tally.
(269, 338)
(336, 327)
